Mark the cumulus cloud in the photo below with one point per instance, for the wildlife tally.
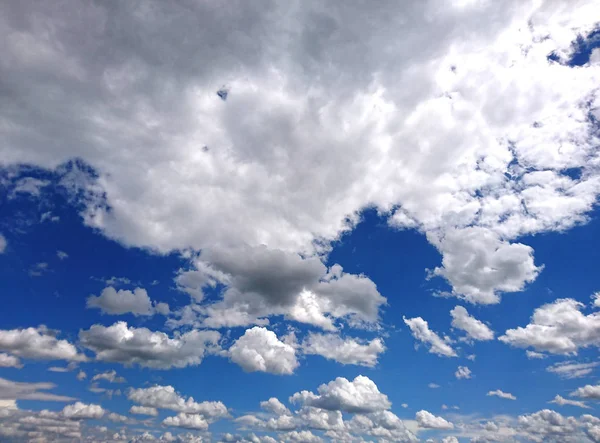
(427, 420)
(136, 302)
(82, 411)
(463, 372)
(129, 345)
(420, 331)
(501, 394)
(475, 329)
(558, 328)
(570, 369)
(165, 397)
(38, 344)
(345, 351)
(275, 406)
(587, 391)
(12, 390)
(9, 361)
(360, 395)
(188, 421)
(260, 350)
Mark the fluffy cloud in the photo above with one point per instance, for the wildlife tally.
(587, 391)
(427, 420)
(260, 350)
(110, 376)
(345, 351)
(420, 331)
(146, 348)
(275, 406)
(501, 394)
(479, 264)
(9, 361)
(547, 424)
(81, 411)
(563, 401)
(114, 302)
(463, 372)
(559, 328)
(358, 396)
(475, 329)
(188, 421)
(12, 390)
(570, 369)
(39, 344)
(165, 397)
(143, 410)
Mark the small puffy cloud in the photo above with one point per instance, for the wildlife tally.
(501, 394)
(463, 372)
(301, 437)
(82, 411)
(136, 302)
(360, 395)
(38, 344)
(13, 390)
(143, 410)
(570, 369)
(563, 401)
(129, 345)
(427, 420)
(558, 328)
(260, 350)
(187, 421)
(274, 406)
(421, 332)
(165, 397)
(480, 265)
(347, 351)
(587, 391)
(475, 329)
(433, 385)
(450, 439)
(110, 376)
(532, 355)
(81, 375)
(62, 255)
(9, 361)
(596, 299)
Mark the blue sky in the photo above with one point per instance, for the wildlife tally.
(386, 229)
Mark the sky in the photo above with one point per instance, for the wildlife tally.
(300, 221)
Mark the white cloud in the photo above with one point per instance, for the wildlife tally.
(479, 264)
(123, 301)
(433, 385)
(570, 369)
(188, 421)
(587, 391)
(559, 328)
(9, 361)
(146, 348)
(596, 299)
(501, 394)
(475, 329)
(360, 395)
(563, 401)
(83, 411)
(2, 244)
(260, 350)
(275, 406)
(165, 397)
(39, 344)
(450, 439)
(143, 410)
(344, 350)
(12, 390)
(62, 255)
(81, 375)
(535, 355)
(110, 376)
(463, 372)
(427, 420)
(420, 331)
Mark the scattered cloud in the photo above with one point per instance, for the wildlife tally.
(260, 350)
(421, 332)
(501, 394)
(463, 373)
(347, 351)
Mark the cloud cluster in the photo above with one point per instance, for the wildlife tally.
(38, 344)
(135, 302)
